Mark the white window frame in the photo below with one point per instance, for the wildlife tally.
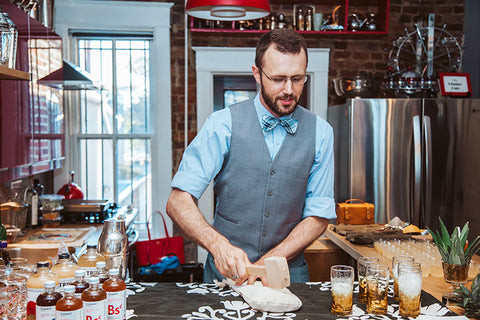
(124, 16)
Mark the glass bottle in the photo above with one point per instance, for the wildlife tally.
(4, 256)
(101, 272)
(30, 197)
(45, 309)
(38, 187)
(112, 244)
(80, 284)
(65, 269)
(36, 285)
(282, 23)
(88, 261)
(308, 20)
(69, 307)
(94, 300)
(116, 296)
(300, 26)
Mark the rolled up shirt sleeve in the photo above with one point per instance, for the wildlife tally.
(203, 158)
(319, 199)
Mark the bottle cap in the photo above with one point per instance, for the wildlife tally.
(91, 246)
(69, 289)
(42, 264)
(80, 273)
(114, 272)
(49, 284)
(101, 264)
(93, 280)
(3, 244)
(64, 255)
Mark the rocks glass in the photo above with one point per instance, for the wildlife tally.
(409, 289)
(377, 289)
(395, 261)
(341, 278)
(362, 264)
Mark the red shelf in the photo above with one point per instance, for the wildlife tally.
(302, 32)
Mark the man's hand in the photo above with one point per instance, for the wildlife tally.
(231, 262)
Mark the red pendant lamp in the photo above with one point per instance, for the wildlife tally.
(229, 10)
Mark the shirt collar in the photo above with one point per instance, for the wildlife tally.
(261, 111)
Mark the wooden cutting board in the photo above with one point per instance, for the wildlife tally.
(54, 237)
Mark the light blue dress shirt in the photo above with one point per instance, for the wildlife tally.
(204, 157)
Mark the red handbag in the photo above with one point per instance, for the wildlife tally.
(151, 251)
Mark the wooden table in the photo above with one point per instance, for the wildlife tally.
(434, 285)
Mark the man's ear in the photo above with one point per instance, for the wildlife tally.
(256, 73)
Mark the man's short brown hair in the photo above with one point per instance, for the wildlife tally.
(283, 40)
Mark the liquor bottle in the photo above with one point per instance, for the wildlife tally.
(30, 198)
(45, 309)
(65, 269)
(38, 187)
(88, 261)
(80, 284)
(308, 20)
(36, 286)
(101, 272)
(300, 22)
(116, 296)
(69, 307)
(94, 300)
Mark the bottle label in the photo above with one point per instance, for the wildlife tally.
(45, 313)
(69, 315)
(32, 295)
(89, 271)
(34, 210)
(95, 310)
(116, 305)
(62, 282)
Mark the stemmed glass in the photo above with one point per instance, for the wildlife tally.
(456, 275)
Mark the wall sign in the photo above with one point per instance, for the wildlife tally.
(455, 84)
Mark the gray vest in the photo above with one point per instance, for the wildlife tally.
(259, 200)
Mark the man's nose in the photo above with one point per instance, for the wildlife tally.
(288, 86)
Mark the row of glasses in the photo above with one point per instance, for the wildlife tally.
(374, 280)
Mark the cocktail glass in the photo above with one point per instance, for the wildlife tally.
(377, 289)
(362, 265)
(409, 289)
(395, 261)
(341, 278)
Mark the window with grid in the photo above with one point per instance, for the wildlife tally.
(115, 130)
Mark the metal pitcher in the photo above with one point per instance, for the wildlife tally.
(112, 244)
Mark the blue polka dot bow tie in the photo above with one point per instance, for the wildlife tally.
(269, 123)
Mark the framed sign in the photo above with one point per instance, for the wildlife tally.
(455, 84)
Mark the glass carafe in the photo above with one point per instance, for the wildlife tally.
(112, 244)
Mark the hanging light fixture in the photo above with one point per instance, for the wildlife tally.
(229, 10)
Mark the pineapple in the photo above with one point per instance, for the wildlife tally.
(455, 248)
(470, 299)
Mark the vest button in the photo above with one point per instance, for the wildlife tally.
(264, 233)
(269, 193)
(267, 214)
(272, 172)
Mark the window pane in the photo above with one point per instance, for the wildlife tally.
(97, 169)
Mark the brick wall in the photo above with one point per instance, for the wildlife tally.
(349, 54)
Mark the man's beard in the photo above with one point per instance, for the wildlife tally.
(270, 101)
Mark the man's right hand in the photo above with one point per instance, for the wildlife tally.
(231, 261)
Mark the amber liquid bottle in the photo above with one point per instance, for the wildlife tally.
(45, 309)
(101, 272)
(80, 284)
(94, 300)
(64, 269)
(36, 286)
(88, 261)
(116, 297)
(69, 307)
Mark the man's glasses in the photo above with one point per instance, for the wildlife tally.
(280, 81)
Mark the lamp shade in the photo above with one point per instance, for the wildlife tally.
(229, 10)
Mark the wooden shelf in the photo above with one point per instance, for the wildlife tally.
(325, 32)
(12, 74)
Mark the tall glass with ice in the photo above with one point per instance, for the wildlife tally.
(341, 278)
(377, 289)
(395, 261)
(362, 264)
(409, 289)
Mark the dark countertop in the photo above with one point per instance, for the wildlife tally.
(205, 301)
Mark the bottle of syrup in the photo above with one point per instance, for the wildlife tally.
(80, 284)
(88, 261)
(36, 286)
(101, 272)
(45, 309)
(65, 269)
(116, 296)
(69, 307)
(94, 300)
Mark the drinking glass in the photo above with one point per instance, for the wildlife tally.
(362, 264)
(395, 261)
(341, 278)
(409, 289)
(377, 289)
(455, 275)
